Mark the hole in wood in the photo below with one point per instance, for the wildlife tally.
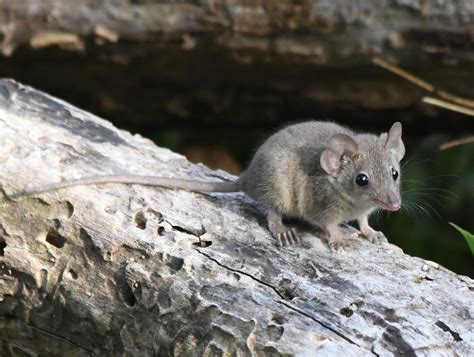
(446, 328)
(127, 295)
(73, 274)
(161, 230)
(287, 289)
(3, 245)
(176, 263)
(203, 243)
(140, 220)
(347, 312)
(288, 293)
(275, 332)
(54, 238)
(70, 209)
(278, 319)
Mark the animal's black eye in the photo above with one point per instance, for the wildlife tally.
(394, 174)
(362, 180)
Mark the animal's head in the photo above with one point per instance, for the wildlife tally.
(367, 167)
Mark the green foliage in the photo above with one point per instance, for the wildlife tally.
(469, 237)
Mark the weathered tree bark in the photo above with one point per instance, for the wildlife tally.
(259, 61)
(326, 31)
(130, 270)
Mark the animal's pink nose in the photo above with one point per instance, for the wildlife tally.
(388, 203)
(394, 206)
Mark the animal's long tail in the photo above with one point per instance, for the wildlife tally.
(187, 185)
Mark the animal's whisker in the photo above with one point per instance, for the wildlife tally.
(431, 191)
(432, 209)
(408, 208)
(414, 160)
(423, 209)
(433, 196)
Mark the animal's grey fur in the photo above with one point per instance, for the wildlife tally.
(306, 171)
(286, 175)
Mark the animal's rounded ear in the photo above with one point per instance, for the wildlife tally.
(341, 148)
(394, 141)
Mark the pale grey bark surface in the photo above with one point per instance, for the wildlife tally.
(128, 270)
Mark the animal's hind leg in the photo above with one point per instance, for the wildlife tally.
(285, 236)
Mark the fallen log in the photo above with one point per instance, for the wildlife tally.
(325, 32)
(130, 270)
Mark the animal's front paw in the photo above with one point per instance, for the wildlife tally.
(375, 237)
(288, 238)
(338, 245)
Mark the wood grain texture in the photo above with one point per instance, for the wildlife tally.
(129, 270)
(326, 31)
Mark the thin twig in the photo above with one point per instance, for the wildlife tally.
(454, 98)
(457, 142)
(447, 105)
(422, 83)
(404, 74)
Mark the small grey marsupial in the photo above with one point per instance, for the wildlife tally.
(320, 172)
